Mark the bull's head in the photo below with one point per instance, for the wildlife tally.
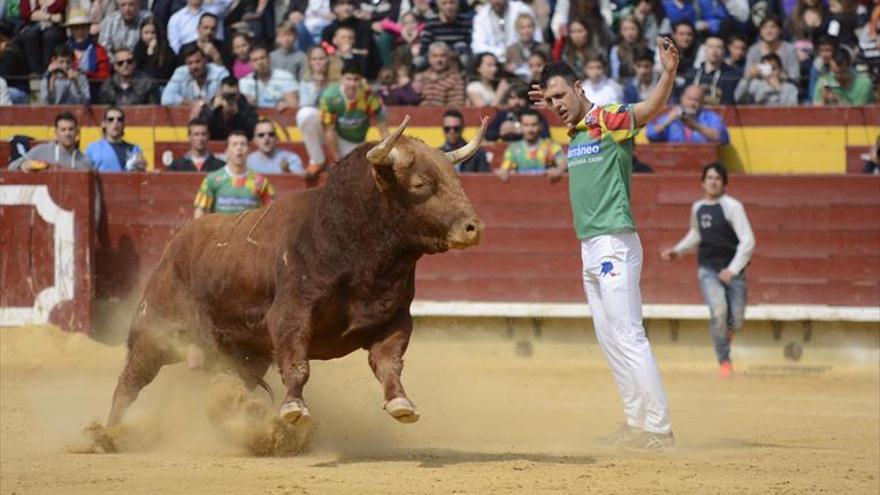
(422, 180)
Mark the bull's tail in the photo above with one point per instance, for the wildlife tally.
(265, 386)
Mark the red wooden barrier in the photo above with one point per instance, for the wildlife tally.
(47, 222)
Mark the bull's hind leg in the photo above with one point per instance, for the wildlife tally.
(145, 358)
(386, 360)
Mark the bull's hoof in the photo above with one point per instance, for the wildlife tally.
(402, 409)
(295, 412)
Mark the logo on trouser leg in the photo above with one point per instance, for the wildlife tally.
(608, 269)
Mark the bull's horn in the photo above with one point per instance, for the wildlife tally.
(469, 149)
(379, 153)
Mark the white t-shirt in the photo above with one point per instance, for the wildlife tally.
(486, 92)
(606, 92)
(262, 164)
(270, 93)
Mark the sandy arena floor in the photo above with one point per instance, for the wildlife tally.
(491, 423)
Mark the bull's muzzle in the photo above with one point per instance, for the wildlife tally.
(465, 233)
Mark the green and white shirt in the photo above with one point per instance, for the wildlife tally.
(351, 119)
(600, 169)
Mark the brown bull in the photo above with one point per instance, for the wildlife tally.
(317, 275)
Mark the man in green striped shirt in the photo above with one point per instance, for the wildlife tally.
(600, 166)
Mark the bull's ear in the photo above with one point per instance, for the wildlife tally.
(383, 153)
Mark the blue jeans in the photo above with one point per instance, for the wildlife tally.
(727, 306)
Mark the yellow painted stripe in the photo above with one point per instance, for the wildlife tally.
(754, 149)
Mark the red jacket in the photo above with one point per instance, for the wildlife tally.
(56, 7)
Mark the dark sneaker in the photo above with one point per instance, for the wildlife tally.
(650, 442)
(623, 434)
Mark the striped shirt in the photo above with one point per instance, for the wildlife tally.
(440, 89)
(451, 33)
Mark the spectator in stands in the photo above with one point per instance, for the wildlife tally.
(596, 15)
(63, 84)
(770, 41)
(543, 10)
(649, 14)
(233, 188)
(310, 18)
(364, 44)
(127, 86)
(808, 21)
(505, 124)
(736, 52)
(256, 17)
(639, 87)
(845, 20)
(821, 65)
(399, 42)
(683, 35)
(43, 30)
(241, 49)
(266, 87)
(678, 11)
(689, 122)
(422, 9)
(195, 81)
(89, 57)
(532, 154)
(440, 85)
(398, 88)
(518, 53)
(770, 87)
(494, 27)
(347, 109)
(343, 51)
(453, 124)
(198, 158)
(629, 40)
(308, 117)
(720, 18)
(207, 41)
(63, 152)
(286, 56)
(5, 99)
(151, 53)
(121, 29)
(268, 157)
(183, 25)
(451, 27)
(599, 88)
(720, 229)
(577, 46)
(537, 61)
(113, 153)
(844, 86)
(486, 88)
(228, 111)
(718, 79)
(872, 159)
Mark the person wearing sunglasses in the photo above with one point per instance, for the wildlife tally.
(127, 86)
(453, 124)
(112, 153)
(269, 158)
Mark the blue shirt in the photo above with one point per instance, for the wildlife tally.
(105, 157)
(182, 88)
(676, 14)
(677, 132)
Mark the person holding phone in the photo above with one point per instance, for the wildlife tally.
(689, 122)
(600, 162)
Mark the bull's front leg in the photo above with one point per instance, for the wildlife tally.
(386, 360)
(290, 331)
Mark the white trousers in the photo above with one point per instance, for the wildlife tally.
(308, 119)
(612, 267)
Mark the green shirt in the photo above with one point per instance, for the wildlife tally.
(599, 169)
(524, 158)
(222, 192)
(859, 92)
(351, 119)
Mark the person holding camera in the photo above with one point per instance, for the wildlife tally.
(769, 87)
(63, 84)
(228, 111)
(689, 122)
(844, 86)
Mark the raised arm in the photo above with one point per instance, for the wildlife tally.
(649, 108)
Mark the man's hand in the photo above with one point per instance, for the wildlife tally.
(668, 55)
(537, 96)
(502, 174)
(313, 171)
(668, 254)
(554, 174)
(725, 276)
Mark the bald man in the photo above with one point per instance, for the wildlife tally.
(689, 122)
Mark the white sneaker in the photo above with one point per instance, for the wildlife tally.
(650, 442)
(623, 434)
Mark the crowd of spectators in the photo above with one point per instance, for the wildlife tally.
(339, 63)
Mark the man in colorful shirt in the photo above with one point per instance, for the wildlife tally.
(233, 188)
(347, 109)
(600, 166)
(532, 155)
